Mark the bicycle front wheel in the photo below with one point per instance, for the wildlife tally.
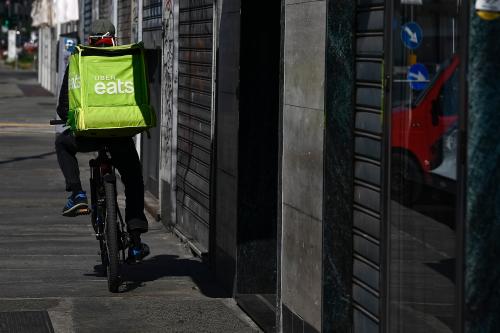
(111, 234)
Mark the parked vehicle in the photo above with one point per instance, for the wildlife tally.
(419, 133)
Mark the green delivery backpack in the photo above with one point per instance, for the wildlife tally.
(108, 91)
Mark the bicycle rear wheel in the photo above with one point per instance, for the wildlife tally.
(111, 235)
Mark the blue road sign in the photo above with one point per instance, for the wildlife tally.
(69, 44)
(411, 35)
(418, 77)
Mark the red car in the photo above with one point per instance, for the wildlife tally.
(418, 132)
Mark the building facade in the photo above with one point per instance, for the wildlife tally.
(334, 162)
(337, 171)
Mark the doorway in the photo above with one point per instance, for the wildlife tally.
(260, 47)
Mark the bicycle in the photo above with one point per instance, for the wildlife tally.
(106, 217)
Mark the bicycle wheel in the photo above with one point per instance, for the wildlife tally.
(111, 234)
(98, 215)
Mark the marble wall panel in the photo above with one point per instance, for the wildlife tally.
(304, 54)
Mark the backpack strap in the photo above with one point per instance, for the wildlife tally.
(79, 49)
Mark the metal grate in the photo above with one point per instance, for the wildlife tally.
(194, 118)
(25, 321)
(152, 15)
(367, 165)
(87, 17)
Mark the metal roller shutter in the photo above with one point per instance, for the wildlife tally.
(104, 9)
(369, 103)
(151, 15)
(194, 136)
(87, 17)
(124, 22)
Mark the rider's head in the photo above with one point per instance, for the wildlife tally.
(102, 33)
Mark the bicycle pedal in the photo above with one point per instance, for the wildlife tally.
(84, 211)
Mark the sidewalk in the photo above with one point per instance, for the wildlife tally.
(49, 266)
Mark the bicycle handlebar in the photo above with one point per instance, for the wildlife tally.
(57, 122)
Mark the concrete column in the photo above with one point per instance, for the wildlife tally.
(114, 14)
(168, 129)
(140, 4)
(95, 9)
(482, 234)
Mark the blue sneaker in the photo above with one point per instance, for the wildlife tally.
(137, 253)
(76, 205)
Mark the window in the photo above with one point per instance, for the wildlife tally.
(425, 99)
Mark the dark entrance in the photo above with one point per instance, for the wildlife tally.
(258, 161)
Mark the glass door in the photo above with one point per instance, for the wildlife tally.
(423, 158)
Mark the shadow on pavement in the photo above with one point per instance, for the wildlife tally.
(157, 267)
(437, 204)
(34, 90)
(445, 267)
(18, 159)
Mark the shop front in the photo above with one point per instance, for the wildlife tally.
(403, 267)
(328, 184)
(422, 217)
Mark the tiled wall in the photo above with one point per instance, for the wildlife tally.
(302, 165)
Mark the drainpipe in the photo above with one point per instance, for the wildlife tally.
(482, 219)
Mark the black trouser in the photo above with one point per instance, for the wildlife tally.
(126, 161)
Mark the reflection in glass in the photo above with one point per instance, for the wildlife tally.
(423, 166)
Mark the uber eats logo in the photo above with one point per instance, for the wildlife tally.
(74, 82)
(110, 85)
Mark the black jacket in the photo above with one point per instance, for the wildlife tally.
(63, 104)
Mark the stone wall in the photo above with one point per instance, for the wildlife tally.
(302, 165)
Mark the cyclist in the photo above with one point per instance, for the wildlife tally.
(123, 155)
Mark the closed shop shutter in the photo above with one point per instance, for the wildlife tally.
(367, 281)
(194, 132)
(87, 17)
(104, 9)
(124, 22)
(151, 15)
